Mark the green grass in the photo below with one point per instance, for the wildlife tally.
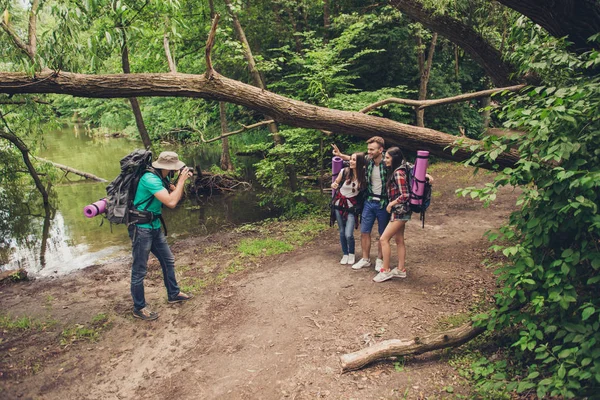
(192, 285)
(9, 323)
(79, 332)
(263, 247)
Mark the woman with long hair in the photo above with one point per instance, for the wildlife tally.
(398, 207)
(349, 184)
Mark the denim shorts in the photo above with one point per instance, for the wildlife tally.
(372, 211)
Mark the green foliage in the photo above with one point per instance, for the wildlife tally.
(264, 247)
(550, 279)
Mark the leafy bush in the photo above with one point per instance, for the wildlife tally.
(550, 282)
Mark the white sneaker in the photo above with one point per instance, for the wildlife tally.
(383, 276)
(351, 259)
(399, 274)
(362, 263)
(344, 259)
(378, 264)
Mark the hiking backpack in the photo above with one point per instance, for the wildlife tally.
(121, 191)
(425, 197)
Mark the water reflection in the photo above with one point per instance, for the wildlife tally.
(69, 241)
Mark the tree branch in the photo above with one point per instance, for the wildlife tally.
(466, 37)
(67, 169)
(436, 102)
(172, 66)
(219, 88)
(244, 128)
(209, 45)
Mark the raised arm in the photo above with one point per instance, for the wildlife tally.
(171, 199)
(337, 152)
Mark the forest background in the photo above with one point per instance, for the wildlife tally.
(348, 55)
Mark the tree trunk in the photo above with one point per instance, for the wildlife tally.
(135, 105)
(256, 78)
(466, 37)
(577, 19)
(424, 71)
(405, 347)
(67, 169)
(326, 20)
(19, 144)
(486, 113)
(226, 164)
(285, 110)
(170, 60)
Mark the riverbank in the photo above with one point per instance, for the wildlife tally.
(273, 312)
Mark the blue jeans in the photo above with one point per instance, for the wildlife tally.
(346, 231)
(144, 241)
(372, 211)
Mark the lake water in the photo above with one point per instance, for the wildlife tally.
(75, 242)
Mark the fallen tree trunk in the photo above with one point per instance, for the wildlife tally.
(282, 109)
(67, 169)
(404, 347)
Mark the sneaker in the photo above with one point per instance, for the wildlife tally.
(344, 259)
(378, 264)
(362, 263)
(384, 276)
(351, 259)
(145, 314)
(399, 274)
(180, 297)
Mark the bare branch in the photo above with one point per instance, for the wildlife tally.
(68, 169)
(209, 45)
(172, 66)
(447, 100)
(244, 128)
(16, 39)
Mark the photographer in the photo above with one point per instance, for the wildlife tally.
(153, 191)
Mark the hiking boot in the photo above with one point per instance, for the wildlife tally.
(378, 264)
(398, 273)
(344, 259)
(383, 276)
(351, 259)
(362, 263)
(145, 314)
(180, 298)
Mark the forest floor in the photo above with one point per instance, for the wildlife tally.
(262, 325)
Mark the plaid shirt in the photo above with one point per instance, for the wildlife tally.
(398, 190)
(383, 173)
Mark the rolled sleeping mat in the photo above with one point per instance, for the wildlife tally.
(419, 172)
(336, 166)
(94, 209)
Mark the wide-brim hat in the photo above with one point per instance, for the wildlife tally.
(168, 160)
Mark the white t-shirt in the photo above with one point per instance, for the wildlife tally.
(376, 184)
(346, 189)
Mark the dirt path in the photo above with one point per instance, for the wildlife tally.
(272, 331)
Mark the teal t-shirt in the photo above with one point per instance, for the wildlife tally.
(149, 185)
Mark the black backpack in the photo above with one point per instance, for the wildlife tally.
(425, 197)
(121, 191)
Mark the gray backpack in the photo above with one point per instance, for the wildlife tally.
(121, 191)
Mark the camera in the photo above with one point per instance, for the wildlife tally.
(345, 164)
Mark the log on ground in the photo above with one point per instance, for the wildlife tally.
(404, 347)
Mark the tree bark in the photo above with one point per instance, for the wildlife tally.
(424, 71)
(226, 164)
(576, 19)
(326, 20)
(476, 46)
(135, 105)
(404, 347)
(285, 110)
(486, 114)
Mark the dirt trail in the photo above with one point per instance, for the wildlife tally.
(265, 333)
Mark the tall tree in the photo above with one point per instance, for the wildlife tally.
(425, 64)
